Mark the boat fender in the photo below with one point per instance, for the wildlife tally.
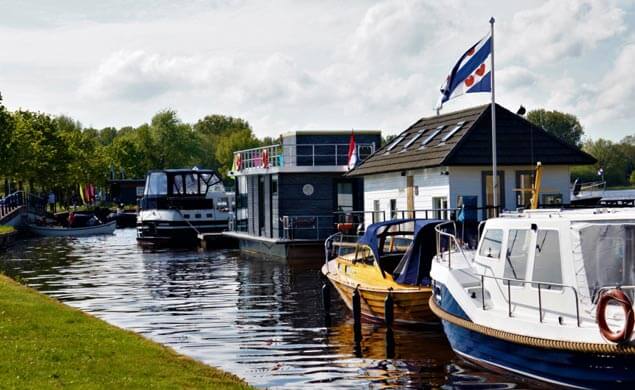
(625, 333)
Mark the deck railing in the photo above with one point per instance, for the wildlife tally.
(291, 155)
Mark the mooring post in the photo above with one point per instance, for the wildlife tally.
(390, 343)
(389, 313)
(326, 303)
(357, 315)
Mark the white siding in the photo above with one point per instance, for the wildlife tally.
(468, 181)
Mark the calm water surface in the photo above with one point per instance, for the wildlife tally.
(260, 319)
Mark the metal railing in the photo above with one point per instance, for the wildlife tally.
(539, 291)
(440, 213)
(285, 155)
(306, 226)
(11, 202)
(451, 241)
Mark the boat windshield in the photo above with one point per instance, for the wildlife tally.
(608, 252)
(156, 184)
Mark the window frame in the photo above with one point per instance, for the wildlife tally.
(532, 280)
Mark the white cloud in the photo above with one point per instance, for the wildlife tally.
(560, 29)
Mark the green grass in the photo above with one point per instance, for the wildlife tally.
(4, 229)
(45, 344)
(621, 188)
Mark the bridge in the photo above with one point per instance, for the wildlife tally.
(16, 207)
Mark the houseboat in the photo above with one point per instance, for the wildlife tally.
(547, 294)
(391, 258)
(288, 195)
(444, 162)
(180, 204)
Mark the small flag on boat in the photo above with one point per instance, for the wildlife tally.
(470, 74)
(352, 152)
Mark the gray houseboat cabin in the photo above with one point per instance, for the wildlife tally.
(288, 195)
(445, 161)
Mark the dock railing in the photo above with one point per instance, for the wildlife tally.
(291, 155)
(306, 227)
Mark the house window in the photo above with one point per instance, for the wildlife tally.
(488, 193)
(393, 208)
(524, 183)
(491, 244)
(440, 206)
(551, 199)
(517, 254)
(376, 211)
(547, 265)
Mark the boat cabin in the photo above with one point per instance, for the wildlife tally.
(183, 203)
(288, 193)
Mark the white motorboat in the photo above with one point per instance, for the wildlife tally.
(547, 294)
(59, 231)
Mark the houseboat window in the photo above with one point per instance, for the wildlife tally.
(395, 143)
(191, 184)
(177, 185)
(517, 254)
(547, 264)
(393, 208)
(157, 184)
(491, 244)
(453, 131)
(608, 251)
(274, 185)
(344, 196)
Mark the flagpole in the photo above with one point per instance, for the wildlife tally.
(494, 171)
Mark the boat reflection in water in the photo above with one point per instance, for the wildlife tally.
(260, 319)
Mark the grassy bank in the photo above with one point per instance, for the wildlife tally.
(45, 344)
(4, 229)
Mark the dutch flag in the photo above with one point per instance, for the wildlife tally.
(471, 73)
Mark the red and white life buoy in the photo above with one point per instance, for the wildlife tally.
(265, 158)
(624, 334)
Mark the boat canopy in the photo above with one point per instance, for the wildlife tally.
(415, 264)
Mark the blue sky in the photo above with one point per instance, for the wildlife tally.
(288, 65)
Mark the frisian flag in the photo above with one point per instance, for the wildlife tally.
(472, 72)
(352, 152)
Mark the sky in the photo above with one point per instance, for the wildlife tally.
(295, 65)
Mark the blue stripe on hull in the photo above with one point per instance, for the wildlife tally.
(556, 366)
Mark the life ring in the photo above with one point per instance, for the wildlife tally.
(265, 159)
(625, 333)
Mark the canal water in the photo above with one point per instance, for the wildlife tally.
(259, 319)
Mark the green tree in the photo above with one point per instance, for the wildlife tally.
(565, 126)
(227, 145)
(210, 130)
(610, 158)
(175, 144)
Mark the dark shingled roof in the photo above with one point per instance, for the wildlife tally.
(471, 144)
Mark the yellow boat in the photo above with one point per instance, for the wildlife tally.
(391, 257)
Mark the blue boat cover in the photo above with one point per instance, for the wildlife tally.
(414, 267)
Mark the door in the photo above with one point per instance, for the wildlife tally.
(488, 193)
(261, 205)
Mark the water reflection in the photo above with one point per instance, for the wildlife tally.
(260, 319)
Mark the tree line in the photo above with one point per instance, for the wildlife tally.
(40, 152)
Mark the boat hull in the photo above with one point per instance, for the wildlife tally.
(107, 228)
(410, 306)
(557, 366)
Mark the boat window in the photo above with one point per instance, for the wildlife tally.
(608, 251)
(222, 205)
(517, 254)
(157, 184)
(491, 244)
(191, 184)
(177, 186)
(547, 264)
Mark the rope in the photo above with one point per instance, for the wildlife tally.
(188, 222)
(528, 340)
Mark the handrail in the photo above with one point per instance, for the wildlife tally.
(540, 284)
(596, 296)
(426, 212)
(452, 238)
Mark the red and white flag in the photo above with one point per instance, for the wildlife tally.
(352, 152)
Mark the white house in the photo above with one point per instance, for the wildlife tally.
(445, 161)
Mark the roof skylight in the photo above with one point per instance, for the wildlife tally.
(394, 143)
(453, 131)
(431, 136)
(412, 140)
